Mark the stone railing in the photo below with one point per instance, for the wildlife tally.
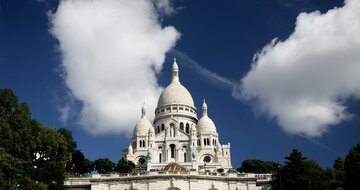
(85, 182)
(262, 177)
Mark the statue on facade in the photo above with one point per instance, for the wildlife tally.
(193, 153)
(148, 156)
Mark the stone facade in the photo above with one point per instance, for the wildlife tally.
(177, 151)
(173, 181)
(177, 135)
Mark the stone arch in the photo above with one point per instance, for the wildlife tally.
(212, 158)
(172, 150)
(187, 129)
(181, 126)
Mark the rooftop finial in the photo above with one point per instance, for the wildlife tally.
(143, 111)
(204, 108)
(175, 72)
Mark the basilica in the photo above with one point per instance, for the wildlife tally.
(177, 151)
(177, 135)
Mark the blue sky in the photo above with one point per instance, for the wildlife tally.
(88, 66)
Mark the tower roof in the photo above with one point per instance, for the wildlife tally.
(143, 125)
(174, 167)
(175, 92)
(205, 124)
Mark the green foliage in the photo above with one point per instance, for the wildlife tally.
(104, 165)
(337, 174)
(32, 156)
(70, 142)
(88, 166)
(352, 168)
(124, 166)
(258, 166)
(79, 164)
(300, 173)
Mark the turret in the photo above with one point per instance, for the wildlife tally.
(193, 139)
(130, 150)
(151, 136)
(175, 72)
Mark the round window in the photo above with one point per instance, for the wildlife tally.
(207, 159)
(141, 161)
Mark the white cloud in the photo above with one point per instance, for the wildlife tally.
(304, 81)
(65, 113)
(111, 52)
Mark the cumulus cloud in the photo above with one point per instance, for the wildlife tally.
(111, 52)
(304, 81)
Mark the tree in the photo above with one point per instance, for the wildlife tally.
(50, 157)
(300, 173)
(104, 165)
(32, 156)
(336, 180)
(68, 138)
(79, 164)
(258, 166)
(88, 166)
(124, 166)
(352, 168)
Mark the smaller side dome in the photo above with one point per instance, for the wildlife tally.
(130, 150)
(205, 124)
(193, 128)
(151, 130)
(143, 125)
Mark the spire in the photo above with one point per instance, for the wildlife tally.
(204, 108)
(175, 72)
(143, 111)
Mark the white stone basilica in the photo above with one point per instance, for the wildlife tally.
(177, 135)
(176, 152)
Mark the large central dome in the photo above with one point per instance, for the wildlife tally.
(175, 93)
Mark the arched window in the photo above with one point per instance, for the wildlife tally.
(208, 141)
(162, 127)
(182, 126)
(172, 130)
(144, 143)
(158, 129)
(160, 154)
(172, 147)
(204, 141)
(187, 128)
(199, 144)
(140, 142)
(184, 156)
